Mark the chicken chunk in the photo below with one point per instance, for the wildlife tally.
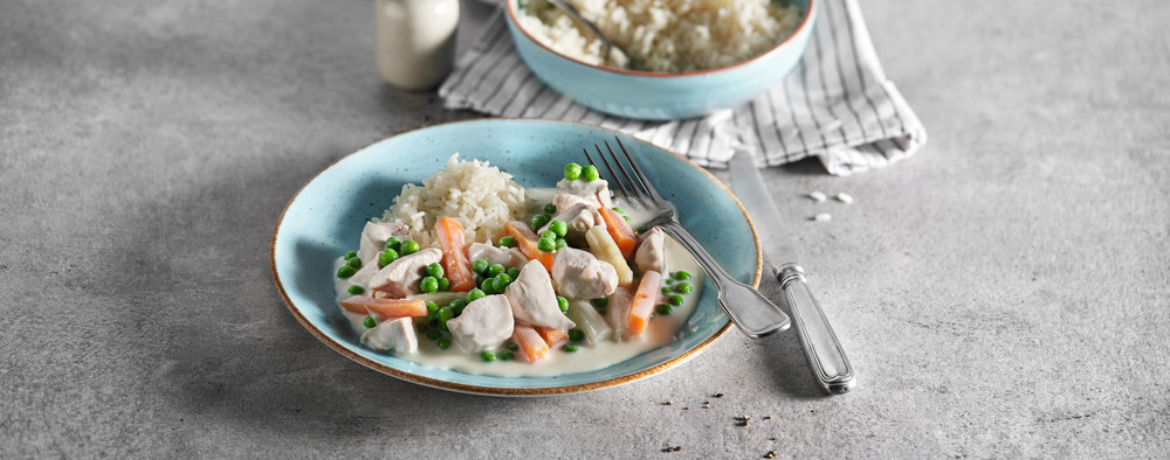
(570, 193)
(651, 255)
(484, 324)
(533, 300)
(396, 334)
(618, 313)
(374, 237)
(401, 277)
(580, 218)
(366, 273)
(580, 275)
(508, 257)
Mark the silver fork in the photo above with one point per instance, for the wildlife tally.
(753, 313)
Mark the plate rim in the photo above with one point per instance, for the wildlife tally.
(498, 391)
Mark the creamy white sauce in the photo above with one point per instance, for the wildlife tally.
(661, 330)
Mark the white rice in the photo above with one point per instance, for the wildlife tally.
(670, 36)
(480, 196)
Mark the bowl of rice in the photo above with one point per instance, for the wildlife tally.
(680, 58)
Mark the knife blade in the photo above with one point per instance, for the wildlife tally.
(825, 355)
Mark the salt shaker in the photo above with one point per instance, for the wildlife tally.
(416, 41)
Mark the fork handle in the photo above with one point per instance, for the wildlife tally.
(753, 313)
(825, 355)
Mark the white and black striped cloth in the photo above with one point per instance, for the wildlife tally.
(836, 104)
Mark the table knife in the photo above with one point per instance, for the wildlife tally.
(825, 355)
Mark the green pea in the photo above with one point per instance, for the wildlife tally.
(488, 356)
(539, 220)
(681, 275)
(495, 269)
(600, 303)
(590, 174)
(669, 281)
(664, 309)
(443, 344)
(666, 291)
(457, 306)
(572, 171)
(506, 356)
(393, 243)
(546, 245)
(445, 314)
(618, 210)
(369, 322)
(432, 310)
(444, 284)
(560, 228)
(570, 348)
(475, 294)
(345, 272)
(684, 288)
(435, 270)
(507, 242)
(479, 265)
(550, 209)
(561, 243)
(356, 290)
(434, 335)
(489, 286)
(504, 279)
(563, 303)
(387, 257)
(576, 335)
(409, 247)
(675, 300)
(354, 262)
(429, 284)
(511, 346)
(514, 273)
(350, 255)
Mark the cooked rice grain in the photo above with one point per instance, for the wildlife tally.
(480, 196)
(666, 35)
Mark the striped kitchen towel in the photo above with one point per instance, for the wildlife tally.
(836, 105)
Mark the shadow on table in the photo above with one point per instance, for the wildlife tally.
(784, 354)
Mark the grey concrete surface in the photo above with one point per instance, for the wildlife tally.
(1004, 294)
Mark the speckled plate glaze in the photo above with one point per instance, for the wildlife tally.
(324, 220)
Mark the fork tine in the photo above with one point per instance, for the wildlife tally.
(640, 188)
(638, 171)
(613, 174)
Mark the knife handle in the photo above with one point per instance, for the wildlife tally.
(825, 355)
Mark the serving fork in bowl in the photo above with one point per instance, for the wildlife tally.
(754, 314)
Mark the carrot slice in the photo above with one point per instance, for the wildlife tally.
(456, 267)
(526, 241)
(552, 336)
(532, 346)
(643, 304)
(621, 232)
(388, 308)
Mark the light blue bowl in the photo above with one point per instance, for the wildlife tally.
(661, 96)
(325, 218)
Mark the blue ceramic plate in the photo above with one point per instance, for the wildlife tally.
(325, 218)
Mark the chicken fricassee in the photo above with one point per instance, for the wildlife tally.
(566, 284)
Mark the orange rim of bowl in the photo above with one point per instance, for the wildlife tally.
(498, 391)
(804, 22)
